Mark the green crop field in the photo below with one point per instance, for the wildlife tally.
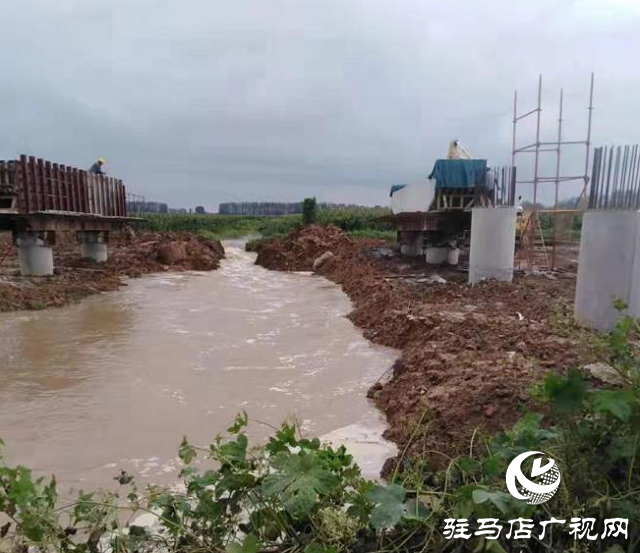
(363, 222)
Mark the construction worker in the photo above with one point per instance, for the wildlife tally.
(97, 166)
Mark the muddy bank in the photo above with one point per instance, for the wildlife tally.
(76, 278)
(469, 354)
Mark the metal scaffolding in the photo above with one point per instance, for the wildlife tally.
(539, 147)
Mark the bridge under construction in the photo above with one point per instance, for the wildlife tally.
(39, 198)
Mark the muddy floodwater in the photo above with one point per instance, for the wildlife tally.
(116, 381)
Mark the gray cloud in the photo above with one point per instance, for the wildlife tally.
(199, 102)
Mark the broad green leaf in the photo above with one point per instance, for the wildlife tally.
(385, 494)
(236, 450)
(481, 496)
(566, 393)
(298, 481)
(618, 403)
(499, 499)
(387, 515)
(249, 545)
(390, 507)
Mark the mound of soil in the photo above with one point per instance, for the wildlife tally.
(76, 278)
(469, 353)
(298, 250)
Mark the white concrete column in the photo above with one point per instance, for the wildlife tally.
(608, 267)
(412, 244)
(93, 245)
(34, 253)
(493, 242)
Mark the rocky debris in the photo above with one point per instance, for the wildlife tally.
(605, 373)
(320, 261)
(129, 256)
(469, 353)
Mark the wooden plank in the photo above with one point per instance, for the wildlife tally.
(70, 190)
(103, 196)
(33, 182)
(88, 177)
(86, 193)
(107, 196)
(81, 192)
(23, 185)
(64, 193)
(38, 173)
(60, 185)
(52, 171)
(112, 193)
(97, 195)
(73, 176)
(77, 191)
(123, 200)
(67, 188)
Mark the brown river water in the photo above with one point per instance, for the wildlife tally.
(115, 381)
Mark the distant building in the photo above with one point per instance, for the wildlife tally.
(147, 207)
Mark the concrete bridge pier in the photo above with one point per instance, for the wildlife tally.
(35, 252)
(93, 244)
(493, 239)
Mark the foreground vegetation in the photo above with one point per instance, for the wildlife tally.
(359, 221)
(298, 495)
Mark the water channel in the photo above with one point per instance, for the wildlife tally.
(115, 381)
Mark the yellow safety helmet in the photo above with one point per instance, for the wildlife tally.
(101, 160)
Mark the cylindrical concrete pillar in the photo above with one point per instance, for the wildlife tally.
(436, 255)
(411, 243)
(95, 251)
(609, 247)
(34, 254)
(93, 245)
(493, 238)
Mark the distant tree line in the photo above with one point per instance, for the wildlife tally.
(273, 208)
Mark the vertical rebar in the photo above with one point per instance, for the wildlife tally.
(616, 177)
(630, 179)
(515, 120)
(595, 180)
(557, 187)
(602, 154)
(636, 182)
(538, 110)
(588, 143)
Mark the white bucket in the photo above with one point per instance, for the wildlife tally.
(436, 256)
(453, 255)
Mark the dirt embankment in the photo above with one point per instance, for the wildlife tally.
(469, 353)
(76, 278)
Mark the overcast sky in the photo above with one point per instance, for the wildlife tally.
(200, 101)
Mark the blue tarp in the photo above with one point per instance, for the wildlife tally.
(459, 173)
(396, 187)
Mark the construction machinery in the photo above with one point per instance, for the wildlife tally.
(434, 217)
